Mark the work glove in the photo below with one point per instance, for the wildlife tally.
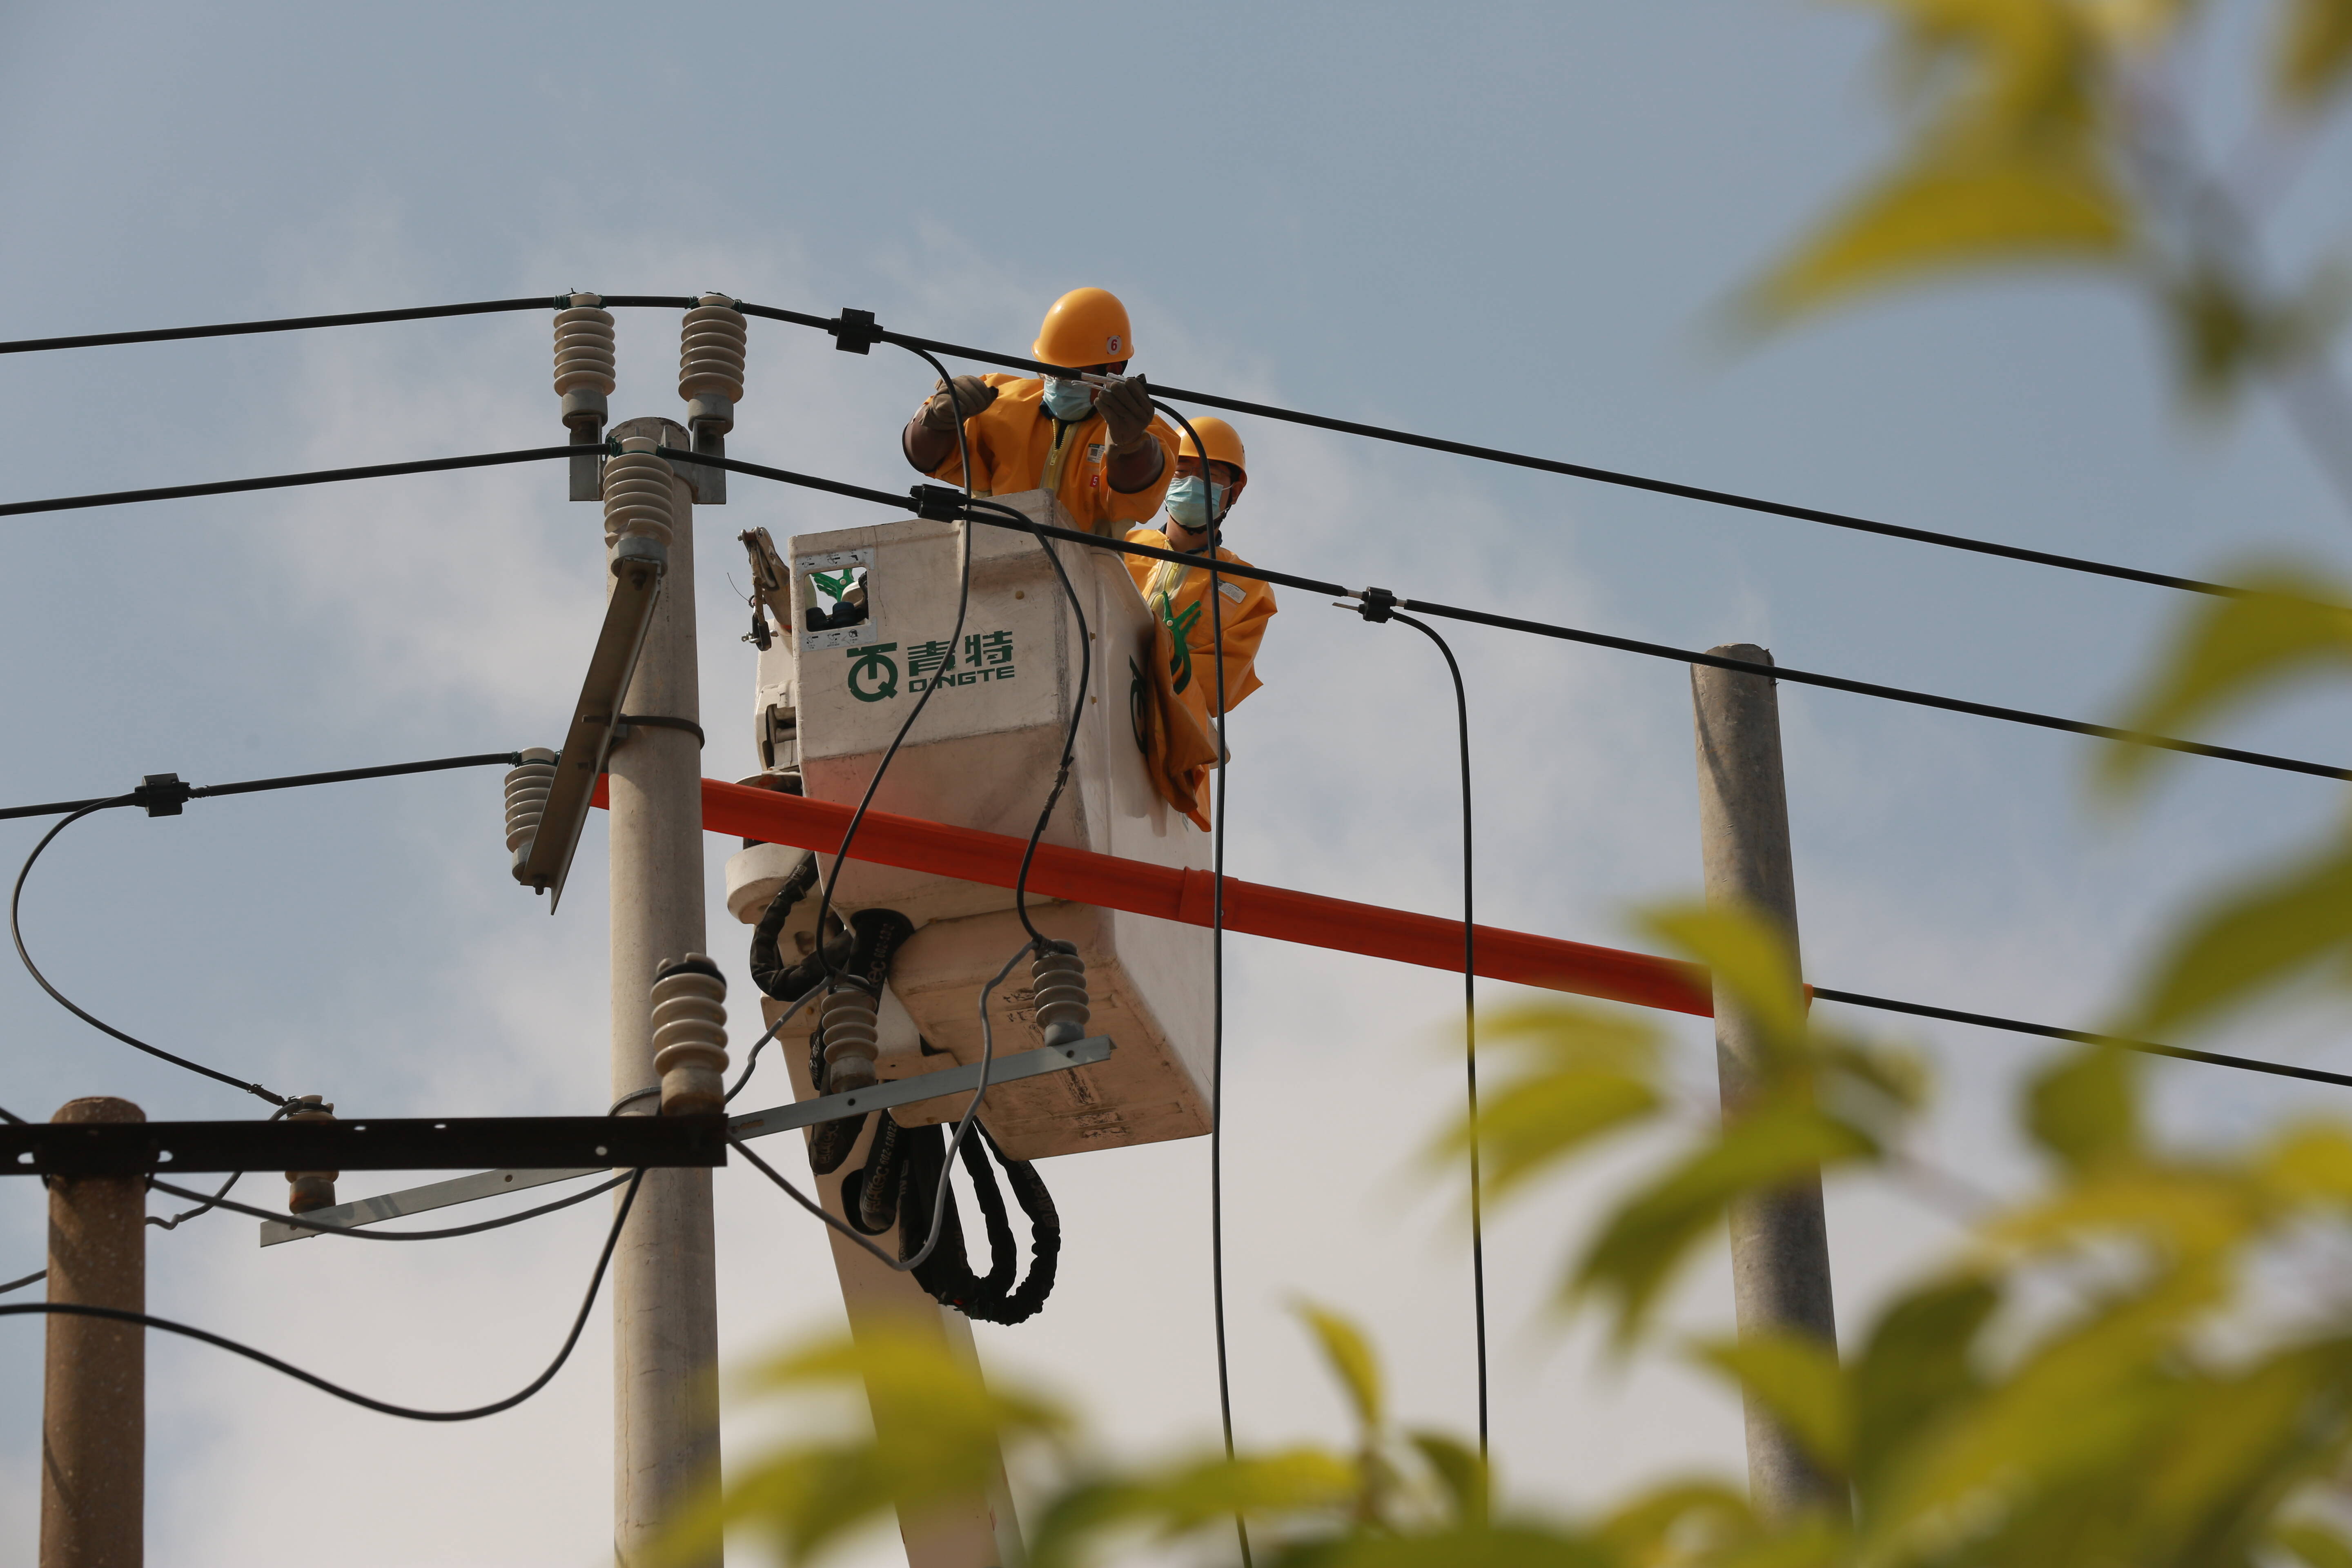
(1125, 410)
(972, 395)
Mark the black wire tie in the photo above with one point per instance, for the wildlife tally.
(163, 795)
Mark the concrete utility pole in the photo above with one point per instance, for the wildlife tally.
(665, 1285)
(94, 1393)
(1780, 1243)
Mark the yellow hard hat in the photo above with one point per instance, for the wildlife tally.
(1085, 326)
(1224, 442)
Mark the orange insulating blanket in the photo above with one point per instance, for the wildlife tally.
(1106, 881)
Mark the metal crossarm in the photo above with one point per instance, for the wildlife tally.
(409, 1143)
(752, 1124)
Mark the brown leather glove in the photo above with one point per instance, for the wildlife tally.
(972, 395)
(1126, 411)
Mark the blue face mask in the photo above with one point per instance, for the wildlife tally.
(1192, 502)
(1069, 400)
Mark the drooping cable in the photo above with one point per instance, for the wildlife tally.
(184, 1215)
(383, 1407)
(1217, 982)
(1375, 611)
(322, 1227)
(16, 932)
(753, 1059)
(964, 1125)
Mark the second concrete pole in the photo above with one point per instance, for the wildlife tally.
(1780, 1242)
(664, 1272)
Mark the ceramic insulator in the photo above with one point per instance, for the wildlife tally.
(527, 786)
(690, 1036)
(851, 1037)
(1058, 979)
(637, 494)
(584, 361)
(710, 362)
(308, 1190)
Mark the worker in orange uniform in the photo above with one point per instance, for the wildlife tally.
(1176, 730)
(1099, 450)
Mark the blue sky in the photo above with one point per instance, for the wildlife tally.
(1518, 225)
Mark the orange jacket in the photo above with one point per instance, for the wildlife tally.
(1017, 445)
(1248, 606)
(1177, 736)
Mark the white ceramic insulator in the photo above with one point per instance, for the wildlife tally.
(637, 495)
(690, 1038)
(852, 1038)
(527, 786)
(584, 348)
(1057, 981)
(710, 350)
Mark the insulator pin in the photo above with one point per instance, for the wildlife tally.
(690, 1036)
(584, 361)
(527, 785)
(638, 498)
(308, 1190)
(850, 1021)
(1058, 980)
(710, 363)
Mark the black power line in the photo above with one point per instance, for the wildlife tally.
(353, 319)
(857, 331)
(285, 482)
(383, 1407)
(853, 327)
(153, 792)
(935, 500)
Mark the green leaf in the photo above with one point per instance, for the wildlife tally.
(1588, 1074)
(1506, 1546)
(1918, 1365)
(1747, 955)
(1351, 1359)
(1648, 1237)
(2315, 52)
(1460, 1471)
(2251, 938)
(2083, 1109)
(1174, 1503)
(1946, 213)
(2238, 1444)
(1678, 1520)
(1797, 1379)
(2316, 1543)
(2288, 627)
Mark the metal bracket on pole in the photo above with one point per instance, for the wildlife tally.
(628, 613)
(752, 1124)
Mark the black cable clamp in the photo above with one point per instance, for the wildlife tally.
(1376, 604)
(854, 332)
(163, 795)
(940, 503)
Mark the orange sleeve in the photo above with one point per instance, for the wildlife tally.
(975, 435)
(1140, 506)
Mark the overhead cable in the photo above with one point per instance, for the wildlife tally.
(853, 327)
(166, 788)
(383, 1407)
(857, 331)
(287, 481)
(2084, 1036)
(351, 318)
(930, 498)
